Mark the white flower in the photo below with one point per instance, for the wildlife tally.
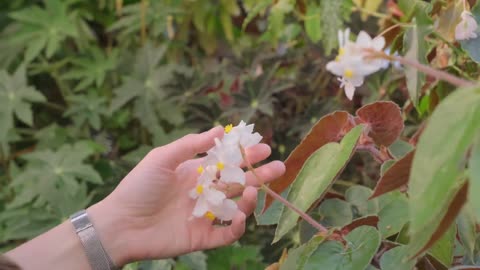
(225, 211)
(204, 190)
(227, 159)
(241, 134)
(467, 27)
(352, 63)
(211, 203)
(349, 86)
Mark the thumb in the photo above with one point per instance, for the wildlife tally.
(189, 146)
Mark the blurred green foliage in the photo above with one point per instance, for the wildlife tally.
(88, 87)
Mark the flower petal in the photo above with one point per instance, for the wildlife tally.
(232, 174)
(349, 90)
(213, 196)
(201, 207)
(227, 210)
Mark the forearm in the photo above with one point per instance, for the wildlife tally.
(59, 248)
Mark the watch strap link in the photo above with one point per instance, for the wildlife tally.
(96, 254)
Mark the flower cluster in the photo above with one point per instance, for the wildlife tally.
(467, 28)
(222, 165)
(352, 63)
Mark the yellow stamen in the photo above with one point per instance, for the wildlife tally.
(348, 73)
(341, 52)
(228, 128)
(220, 166)
(210, 216)
(200, 169)
(199, 189)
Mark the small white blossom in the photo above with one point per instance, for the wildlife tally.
(241, 134)
(206, 196)
(225, 159)
(352, 64)
(467, 28)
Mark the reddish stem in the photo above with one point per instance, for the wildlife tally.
(438, 74)
(277, 196)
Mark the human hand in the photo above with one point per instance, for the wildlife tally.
(148, 214)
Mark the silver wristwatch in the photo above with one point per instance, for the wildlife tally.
(96, 254)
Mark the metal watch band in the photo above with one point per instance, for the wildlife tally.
(96, 254)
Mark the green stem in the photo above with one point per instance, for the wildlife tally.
(278, 197)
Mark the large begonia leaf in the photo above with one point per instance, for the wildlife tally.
(328, 129)
(298, 257)
(443, 249)
(361, 245)
(384, 120)
(315, 177)
(397, 259)
(395, 177)
(437, 165)
(474, 176)
(393, 213)
(437, 240)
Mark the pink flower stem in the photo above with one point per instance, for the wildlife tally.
(438, 74)
(277, 196)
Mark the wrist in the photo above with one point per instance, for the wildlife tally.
(112, 230)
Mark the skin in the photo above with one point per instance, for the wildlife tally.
(148, 215)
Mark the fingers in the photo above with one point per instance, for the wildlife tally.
(248, 202)
(257, 153)
(222, 236)
(188, 146)
(265, 173)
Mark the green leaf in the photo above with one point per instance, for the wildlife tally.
(393, 214)
(45, 28)
(297, 257)
(315, 177)
(359, 196)
(15, 99)
(416, 48)
(474, 175)
(57, 177)
(437, 165)
(195, 260)
(313, 23)
(331, 23)
(154, 19)
(87, 109)
(146, 88)
(255, 10)
(335, 213)
(91, 69)
(400, 148)
(362, 244)
(466, 227)
(397, 259)
(272, 215)
(443, 249)
(235, 257)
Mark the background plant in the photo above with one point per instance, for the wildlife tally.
(88, 87)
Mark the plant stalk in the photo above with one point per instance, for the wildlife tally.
(438, 74)
(277, 196)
